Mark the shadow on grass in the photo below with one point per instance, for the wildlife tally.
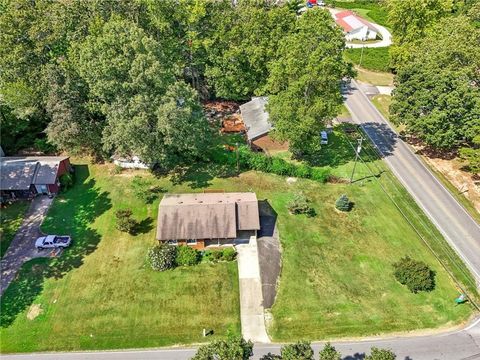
(199, 175)
(143, 227)
(72, 213)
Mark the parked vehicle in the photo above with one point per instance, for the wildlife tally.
(324, 138)
(52, 242)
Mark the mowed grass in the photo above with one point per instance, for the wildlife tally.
(11, 218)
(374, 77)
(100, 294)
(374, 59)
(336, 276)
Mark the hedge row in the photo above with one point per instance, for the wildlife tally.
(258, 161)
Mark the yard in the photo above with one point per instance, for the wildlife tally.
(336, 278)
(11, 218)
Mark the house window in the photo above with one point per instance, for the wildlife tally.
(172, 242)
(192, 242)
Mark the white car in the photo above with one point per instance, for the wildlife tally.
(324, 138)
(52, 241)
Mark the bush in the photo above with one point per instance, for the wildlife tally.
(125, 222)
(416, 275)
(381, 354)
(343, 203)
(300, 350)
(329, 353)
(66, 181)
(162, 257)
(187, 256)
(229, 254)
(321, 174)
(299, 205)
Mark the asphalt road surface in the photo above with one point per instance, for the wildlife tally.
(456, 345)
(453, 221)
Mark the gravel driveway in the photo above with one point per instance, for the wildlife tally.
(22, 247)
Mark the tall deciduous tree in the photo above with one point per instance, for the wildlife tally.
(305, 79)
(409, 20)
(437, 92)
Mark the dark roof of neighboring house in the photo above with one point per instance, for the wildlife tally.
(18, 173)
(255, 117)
(206, 216)
(349, 21)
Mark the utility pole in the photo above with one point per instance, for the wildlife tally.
(238, 160)
(357, 155)
(361, 56)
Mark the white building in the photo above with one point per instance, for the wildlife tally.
(355, 27)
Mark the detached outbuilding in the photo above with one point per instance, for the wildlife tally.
(24, 177)
(258, 126)
(354, 27)
(208, 219)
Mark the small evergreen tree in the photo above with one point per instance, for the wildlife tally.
(162, 257)
(297, 351)
(381, 354)
(125, 222)
(329, 353)
(416, 275)
(343, 203)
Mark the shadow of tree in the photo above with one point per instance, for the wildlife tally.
(72, 213)
(383, 136)
(199, 175)
(143, 227)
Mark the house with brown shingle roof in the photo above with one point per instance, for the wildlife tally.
(207, 219)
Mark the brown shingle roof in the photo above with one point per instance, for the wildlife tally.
(206, 216)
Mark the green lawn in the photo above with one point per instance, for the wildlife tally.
(336, 277)
(375, 59)
(100, 294)
(11, 218)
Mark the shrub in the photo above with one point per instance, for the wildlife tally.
(162, 257)
(300, 350)
(303, 171)
(187, 256)
(234, 347)
(66, 181)
(343, 203)
(320, 174)
(299, 205)
(329, 353)
(381, 354)
(229, 254)
(416, 275)
(125, 222)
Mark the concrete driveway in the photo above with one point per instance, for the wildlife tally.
(22, 247)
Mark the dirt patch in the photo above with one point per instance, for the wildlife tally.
(450, 166)
(34, 311)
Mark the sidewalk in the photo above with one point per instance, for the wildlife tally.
(251, 299)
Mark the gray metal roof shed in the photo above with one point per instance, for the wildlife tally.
(255, 117)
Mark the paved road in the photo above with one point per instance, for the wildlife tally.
(458, 227)
(458, 345)
(22, 248)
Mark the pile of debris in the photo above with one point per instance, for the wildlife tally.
(225, 114)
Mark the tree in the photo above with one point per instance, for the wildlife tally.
(343, 203)
(471, 155)
(297, 351)
(244, 43)
(329, 353)
(271, 356)
(125, 222)
(416, 275)
(437, 95)
(380, 354)
(305, 79)
(410, 20)
(234, 348)
(162, 257)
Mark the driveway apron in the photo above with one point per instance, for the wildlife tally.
(251, 299)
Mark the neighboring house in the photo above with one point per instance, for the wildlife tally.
(258, 126)
(355, 27)
(26, 176)
(207, 219)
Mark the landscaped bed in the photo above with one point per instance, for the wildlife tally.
(337, 276)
